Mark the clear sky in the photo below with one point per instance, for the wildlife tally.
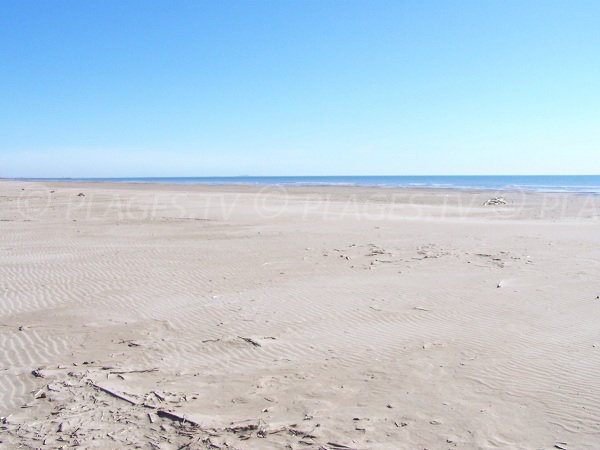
(282, 87)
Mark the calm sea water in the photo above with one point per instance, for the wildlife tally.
(541, 183)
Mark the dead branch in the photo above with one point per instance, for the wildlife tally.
(115, 394)
(175, 417)
(250, 341)
(117, 372)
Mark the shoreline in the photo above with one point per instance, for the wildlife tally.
(298, 187)
(292, 185)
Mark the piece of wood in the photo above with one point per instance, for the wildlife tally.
(242, 428)
(335, 445)
(250, 341)
(115, 394)
(175, 417)
(159, 395)
(117, 372)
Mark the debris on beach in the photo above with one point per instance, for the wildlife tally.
(250, 341)
(81, 194)
(79, 407)
(495, 201)
(38, 373)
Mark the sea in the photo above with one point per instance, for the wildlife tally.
(538, 183)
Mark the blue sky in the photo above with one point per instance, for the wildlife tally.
(193, 88)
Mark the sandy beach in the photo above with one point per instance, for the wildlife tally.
(247, 317)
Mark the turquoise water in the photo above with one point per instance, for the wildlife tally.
(540, 183)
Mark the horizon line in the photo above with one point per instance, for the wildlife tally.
(290, 176)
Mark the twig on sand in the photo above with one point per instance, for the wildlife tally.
(116, 372)
(175, 417)
(242, 428)
(160, 395)
(115, 394)
(250, 341)
(337, 446)
(303, 434)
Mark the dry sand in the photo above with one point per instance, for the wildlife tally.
(297, 318)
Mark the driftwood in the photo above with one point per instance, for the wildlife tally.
(175, 417)
(242, 428)
(115, 394)
(39, 394)
(159, 412)
(210, 444)
(337, 446)
(301, 433)
(250, 341)
(159, 395)
(117, 372)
